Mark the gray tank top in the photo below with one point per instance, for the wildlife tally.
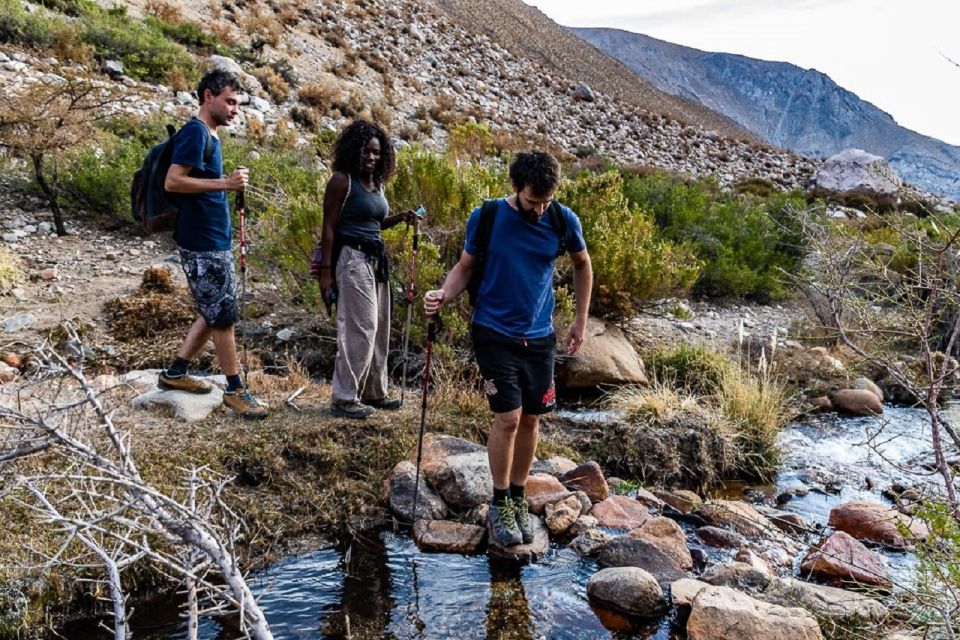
(363, 212)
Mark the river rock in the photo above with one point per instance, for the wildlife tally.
(856, 402)
(680, 499)
(721, 613)
(666, 535)
(399, 490)
(820, 403)
(868, 385)
(842, 558)
(18, 322)
(684, 590)
(555, 466)
(443, 536)
(626, 551)
(523, 552)
(737, 515)
(786, 521)
(628, 589)
(838, 605)
(590, 541)
(458, 469)
(721, 538)
(562, 514)
(583, 523)
(737, 575)
(606, 358)
(588, 478)
(854, 171)
(750, 557)
(620, 512)
(542, 489)
(648, 499)
(189, 407)
(876, 522)
(585, 502)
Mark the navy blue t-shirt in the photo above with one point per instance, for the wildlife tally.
(203, 221)
(516, 293)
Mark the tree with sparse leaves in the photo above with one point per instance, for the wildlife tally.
(44, 119)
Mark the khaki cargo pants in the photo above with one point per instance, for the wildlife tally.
(363, 330)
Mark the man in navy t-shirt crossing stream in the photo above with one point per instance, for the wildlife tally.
(512, 327)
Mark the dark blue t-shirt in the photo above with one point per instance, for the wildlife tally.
(516, 293)
(203, 221)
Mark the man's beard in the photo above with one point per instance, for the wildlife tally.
(221, 121)
(530, 215)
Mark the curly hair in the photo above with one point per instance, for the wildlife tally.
(217, 80)
(538, 169)
(348, 150)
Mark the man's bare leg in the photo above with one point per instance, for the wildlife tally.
(500, 446)
(225, 346)
(197, 336)
(524, 448)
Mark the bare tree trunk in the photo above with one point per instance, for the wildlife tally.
(49, 192)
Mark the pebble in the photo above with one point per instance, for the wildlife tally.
(284, 334)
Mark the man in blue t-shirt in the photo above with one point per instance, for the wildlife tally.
(204, 237)
(512, 326)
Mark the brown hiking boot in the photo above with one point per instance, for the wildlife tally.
(389, 403)
(244, 404)
(354, 410)
(183, 383)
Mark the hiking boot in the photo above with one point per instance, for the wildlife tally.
(183, 383)
(524, 521)
(354, 410)
(244, 404)
(502, 524)
(388, 403)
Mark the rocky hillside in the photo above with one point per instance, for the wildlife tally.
(417, 68)
(798, 109)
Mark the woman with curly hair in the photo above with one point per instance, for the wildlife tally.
(354, 268)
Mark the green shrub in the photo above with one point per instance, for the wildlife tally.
(745, 242)
(98, 177)
(19, 27)
(11, 271)
(694, 369)
(471, 140)
(187, 33)
(632, 263)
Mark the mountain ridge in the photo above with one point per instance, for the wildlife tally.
(803, 110)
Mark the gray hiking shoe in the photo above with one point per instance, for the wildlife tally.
(502, 524)
(524, 521)
(354, 410)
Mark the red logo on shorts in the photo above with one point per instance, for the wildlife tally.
(489, 388)
(550, 396)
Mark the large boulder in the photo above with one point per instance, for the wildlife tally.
(606, 358)
(458, 469)
(856, 172)
(876, 522)
(869, 385)
(721, 613)
(842, 559)
(856, 402)
(680, 499)
(588, 477)
(620, 512)
(626, 551)
(838, 605)
(399, 488)
(444, 536)
(250, 83)
(628, 589)
(737, 575)
(666, 535)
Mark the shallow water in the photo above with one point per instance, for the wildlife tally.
(384, 587)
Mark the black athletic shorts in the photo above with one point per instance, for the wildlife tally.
(516, 373)
(213, 283)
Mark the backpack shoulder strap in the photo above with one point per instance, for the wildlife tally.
(488, 211)
(559, 223)
(208, 148)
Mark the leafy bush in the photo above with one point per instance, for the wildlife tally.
(632, 263)
(471, 140)
(745, 242)
(98, 177)
(694, 369)
(11, 271)
(37, 29)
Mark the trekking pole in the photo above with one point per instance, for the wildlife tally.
(241, 208)
(434, 325)
(419, 213)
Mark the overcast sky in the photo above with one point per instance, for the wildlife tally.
(888, 52)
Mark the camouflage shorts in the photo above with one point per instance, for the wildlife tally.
(213, 283)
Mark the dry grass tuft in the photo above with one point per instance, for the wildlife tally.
(157, 280)
(11, 271)
(659, 401)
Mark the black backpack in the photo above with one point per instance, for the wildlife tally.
(151, 206)
(488, 211)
